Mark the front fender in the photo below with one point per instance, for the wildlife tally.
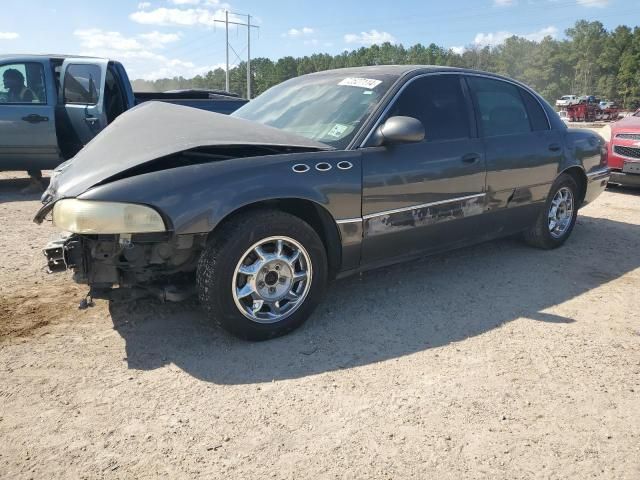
(197, 197)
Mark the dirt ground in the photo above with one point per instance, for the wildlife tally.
(498, 361)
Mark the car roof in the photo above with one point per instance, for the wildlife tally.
(405, 70)
(389, 70)
(32, 56)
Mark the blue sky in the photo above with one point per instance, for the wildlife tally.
(158, 38)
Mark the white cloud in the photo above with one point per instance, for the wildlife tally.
(182, 17)
(504, 3)
(298, 32)
(139, 53)
(159, 40)
(459, 50)
(549, 31)
(143, 5)
(9, 35)
(177, 68)
(93, 38)
(594, 3)
(369, 38)
(96, 38)
(185, 2)
(497, 38)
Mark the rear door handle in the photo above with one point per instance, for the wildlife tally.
(471, 158)
(554, 147)
(35, 118)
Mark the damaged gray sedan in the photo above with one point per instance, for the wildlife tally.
(321, 176)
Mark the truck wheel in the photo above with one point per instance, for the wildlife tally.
(558, 217)
(262, 274)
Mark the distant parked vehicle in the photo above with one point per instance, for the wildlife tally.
(590, 109)
(624, 151)
(51, 106)
(589, 99)
(566, 100)
(604, 104)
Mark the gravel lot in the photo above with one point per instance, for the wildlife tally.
(498, 361)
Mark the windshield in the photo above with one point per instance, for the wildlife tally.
(327, 108)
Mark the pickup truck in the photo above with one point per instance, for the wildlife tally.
(566, 101)
(51, 106)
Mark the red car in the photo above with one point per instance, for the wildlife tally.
(624, 151)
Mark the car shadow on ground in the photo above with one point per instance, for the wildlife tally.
(622, 189)
(388, 313)
(11, 190)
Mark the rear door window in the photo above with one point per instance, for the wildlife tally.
(82, 84)
(439, 103)
(22, 83)
(500, 108)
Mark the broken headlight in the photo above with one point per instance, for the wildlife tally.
(91, 217)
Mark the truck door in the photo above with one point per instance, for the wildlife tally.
(27, 102)
(82, 99)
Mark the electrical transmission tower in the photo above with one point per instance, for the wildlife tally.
(228, 22)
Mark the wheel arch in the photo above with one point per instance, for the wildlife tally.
(580, 177)
(316, 215)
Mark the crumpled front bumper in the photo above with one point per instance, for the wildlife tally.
(64, 253)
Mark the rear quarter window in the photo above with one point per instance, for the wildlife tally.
(537, 117)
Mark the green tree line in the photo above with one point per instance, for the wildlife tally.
(591, 60)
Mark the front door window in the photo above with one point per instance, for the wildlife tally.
(22, 83)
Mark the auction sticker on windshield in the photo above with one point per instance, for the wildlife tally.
(337, 130)
(360, 82)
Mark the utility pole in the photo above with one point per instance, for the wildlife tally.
(226, 32)
(248, 57)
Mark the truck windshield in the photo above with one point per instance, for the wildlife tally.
(328, 108)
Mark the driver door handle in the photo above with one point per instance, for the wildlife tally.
(35, 118)
(471, 158)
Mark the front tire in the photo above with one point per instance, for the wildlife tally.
(558, 217)
(262, 274)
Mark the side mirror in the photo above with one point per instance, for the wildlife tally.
(399, 130)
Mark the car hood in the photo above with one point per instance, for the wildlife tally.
(154, 130)
(631, 123)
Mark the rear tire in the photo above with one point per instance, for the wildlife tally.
(558, 217)
(262, 274)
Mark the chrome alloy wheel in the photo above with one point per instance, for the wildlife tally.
(272, 279)
(561, 212)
